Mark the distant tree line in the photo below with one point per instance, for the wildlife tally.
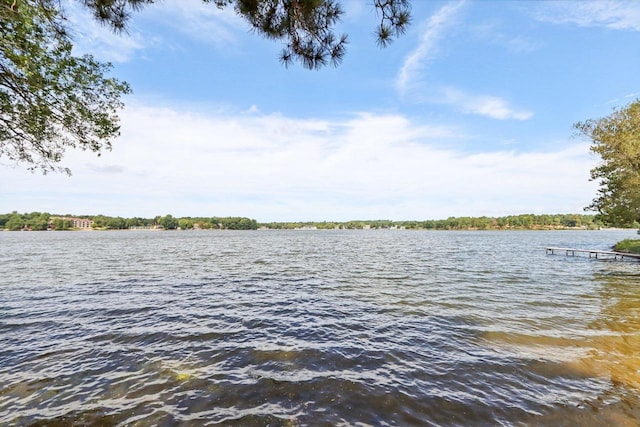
(169, 222)
(44, 221)
(34, 221)
(511, 222)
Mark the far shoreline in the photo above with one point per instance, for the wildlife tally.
(37, 221)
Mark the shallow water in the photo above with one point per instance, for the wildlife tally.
(317, 328)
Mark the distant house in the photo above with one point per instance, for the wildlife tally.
(82, 223)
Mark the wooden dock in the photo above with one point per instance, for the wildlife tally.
(594, 253)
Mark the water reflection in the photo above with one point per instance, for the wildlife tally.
(616, 339)
(606, 353)
(614, 346)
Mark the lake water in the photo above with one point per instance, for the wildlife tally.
(288, 328)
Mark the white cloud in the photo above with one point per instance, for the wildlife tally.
(272, 167)
(617, 15)
(484, 105)
(434, 31)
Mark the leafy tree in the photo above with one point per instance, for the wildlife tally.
(237, 223)
(204, 224)
(168, 222)
(15, 222)
(61, 224)
(134, 222)
(100, 221)
(616, 139)
(4, 218)
(38, 221)
(185, 224)
(50, 100)
(116, 223)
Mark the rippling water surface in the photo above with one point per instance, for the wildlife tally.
(316, 328)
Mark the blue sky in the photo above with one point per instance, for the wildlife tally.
(470, 113)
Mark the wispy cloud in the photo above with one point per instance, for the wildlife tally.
(200, 21)
(273, 167)
(483, 105)
(89, 36)
(617, 15)
(434, 31)
(491, 34)
(624, 99)
(409, 77)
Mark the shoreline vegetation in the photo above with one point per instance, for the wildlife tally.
(41, 221)
(628, 245)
